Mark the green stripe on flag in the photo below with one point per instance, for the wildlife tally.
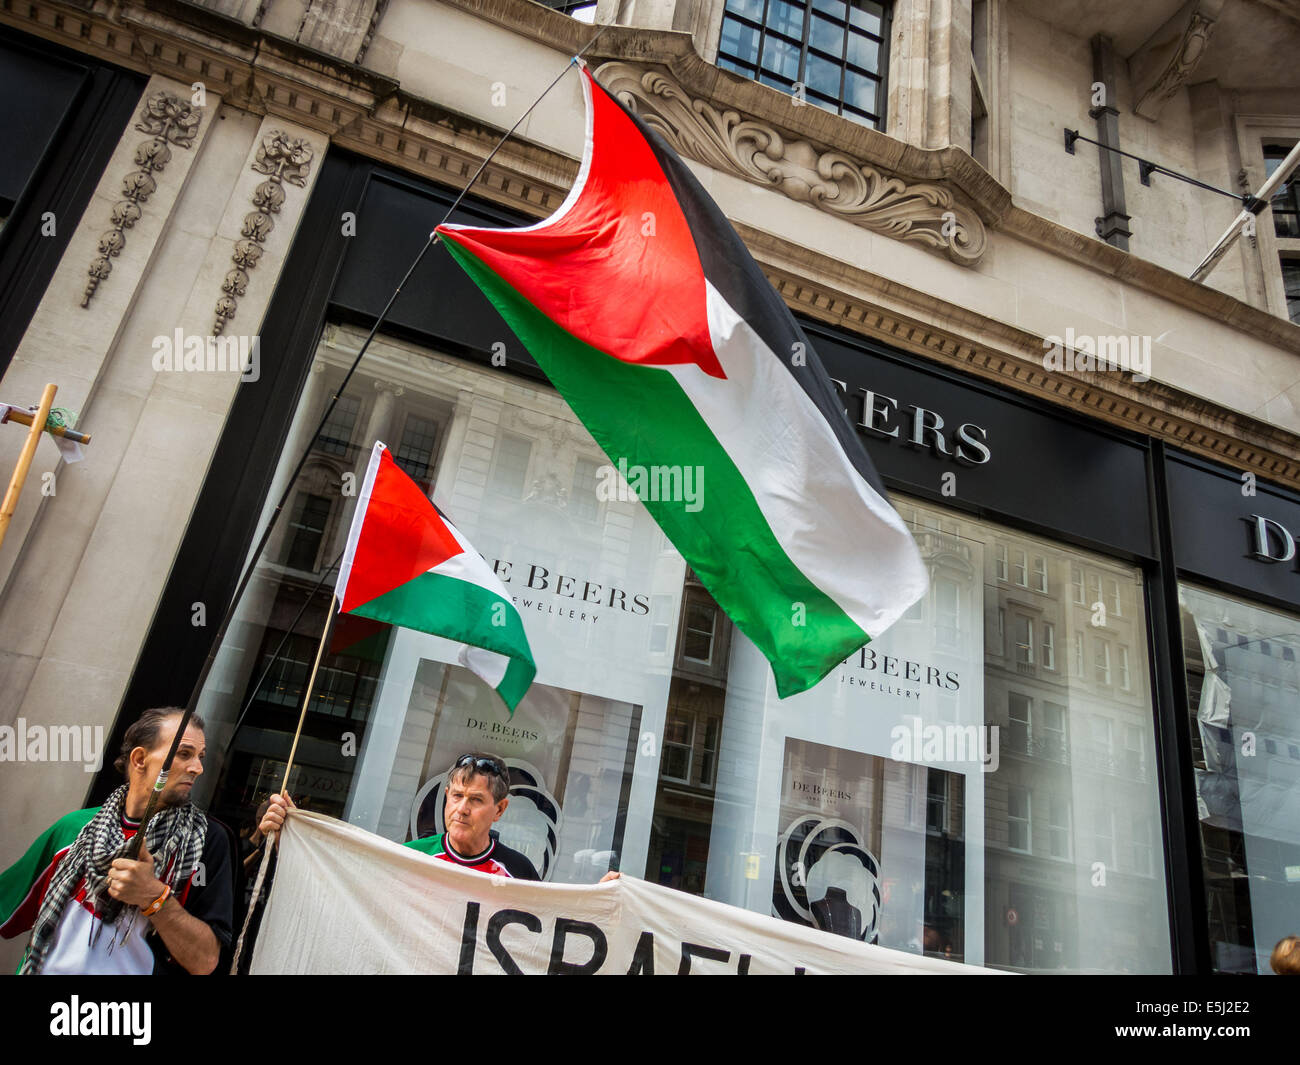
(641, 414)
(463, 611)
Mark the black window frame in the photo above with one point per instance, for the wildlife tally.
(756, 71)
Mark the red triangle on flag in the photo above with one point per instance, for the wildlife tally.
(402, 536)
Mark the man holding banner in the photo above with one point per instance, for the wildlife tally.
(478, 792)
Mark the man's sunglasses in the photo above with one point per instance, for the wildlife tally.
(487, 765)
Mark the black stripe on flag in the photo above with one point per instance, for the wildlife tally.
(737, 277)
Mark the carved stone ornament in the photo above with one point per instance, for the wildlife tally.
(284, 159)
(828, 180)
(1181, 66)
(168, 119)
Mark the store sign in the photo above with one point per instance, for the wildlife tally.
(915, 426)
(1273, 541)
(347, 901)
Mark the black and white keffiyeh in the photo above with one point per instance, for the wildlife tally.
(175, 837)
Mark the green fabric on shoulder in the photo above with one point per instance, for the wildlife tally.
(17, 880)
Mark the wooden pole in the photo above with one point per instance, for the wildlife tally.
(311, 683)
(25, 459)
(26, 417)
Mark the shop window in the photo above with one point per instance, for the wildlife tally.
(827, 52)
(1019, 833)
(1049, 645)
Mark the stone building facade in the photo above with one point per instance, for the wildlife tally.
(265, 172)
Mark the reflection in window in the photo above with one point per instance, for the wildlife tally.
(415, 449)
(306, 531)
(1058, 827)
(1049, 645)
(1076, 584)
(701, 621)
(1040, 573)
(336, 434)
(1018, 570)
(1024, 641)
(1102, 662)
(510, 471)
(1248, 807)
(583, 502)
(1018, 829)
(1000, 561)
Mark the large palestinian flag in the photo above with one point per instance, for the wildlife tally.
(648, 314)
(406, 564)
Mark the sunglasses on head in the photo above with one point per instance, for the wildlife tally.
(487, 765)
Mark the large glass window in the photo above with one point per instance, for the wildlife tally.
(935, 793)
(1243, 686)
(1055, 862)
(829, 52)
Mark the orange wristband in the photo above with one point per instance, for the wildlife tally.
(157, 903)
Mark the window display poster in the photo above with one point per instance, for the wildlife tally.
(870, 848)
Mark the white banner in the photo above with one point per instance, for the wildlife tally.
(347, 901)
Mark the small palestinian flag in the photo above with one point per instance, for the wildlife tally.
(650, 317)
(406, 564)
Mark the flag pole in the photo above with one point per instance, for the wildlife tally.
(219, 635)
(268, 844)
(331, 614)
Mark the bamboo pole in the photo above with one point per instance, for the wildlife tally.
(25, 459)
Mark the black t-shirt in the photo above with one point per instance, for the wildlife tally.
(209, 897)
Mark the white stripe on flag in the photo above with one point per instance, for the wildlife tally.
(820, 509)
(358, 519)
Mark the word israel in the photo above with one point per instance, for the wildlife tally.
(179, 353)
(1086, 353)
(652, 484)
(21, 742)
(946, 743)
(102, 1018)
